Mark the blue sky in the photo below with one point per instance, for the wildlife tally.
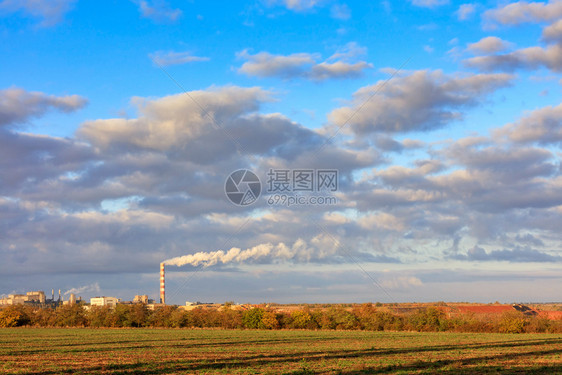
(443, 119)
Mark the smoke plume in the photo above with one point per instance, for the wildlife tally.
(95, 287)
(263, 253)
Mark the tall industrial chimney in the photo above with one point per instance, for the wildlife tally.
(162, 285)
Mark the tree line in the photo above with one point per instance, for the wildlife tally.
(359, 317)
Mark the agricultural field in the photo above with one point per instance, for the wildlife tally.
(207, 351)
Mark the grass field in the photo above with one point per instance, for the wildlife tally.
(160, 351)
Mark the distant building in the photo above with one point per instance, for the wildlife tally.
(72, 300)
(142, 299)
(37, 297)
(104, 301)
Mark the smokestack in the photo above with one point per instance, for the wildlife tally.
(53, 294)
(162, 285)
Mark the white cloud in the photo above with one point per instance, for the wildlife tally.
(518, 254)
(523, 12)
(18, 105)
(526, 58)
(401, 282)
(489, 44)
(174, 58)
(543, 126)
(429, 3)
(158, 10)
(324, 70)
(340, 12)
(264, 64)
(50, 12)
(172, 122)
(553, 33)
(305, 65)
(349, 52)
(165, 168)
(421, 101)
(296, 5)
(465, 11)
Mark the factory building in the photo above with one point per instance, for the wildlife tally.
(142, 299)
(37, 297)
(104, 301)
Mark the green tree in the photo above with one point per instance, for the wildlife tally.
(70, 316)
(513, 322)
(253, 318)
(163, 316)
(430, 319)
(100, 316)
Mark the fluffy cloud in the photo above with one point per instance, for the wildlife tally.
(28, 160)
(158, 10)
(429, 3)
(125, 194)
(518, 254)
(173, 122)
(174, 58)
(264, 64)
(490, 44)
(553, 33)
(543, 126)
(50, 12)
(465, 11)
(340, 12)
(18, 105)
(296, 5)
(423, 100)
(526, 58)
(523, 11)
(305, 65)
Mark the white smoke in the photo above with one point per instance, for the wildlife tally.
(95, 287)
(263, 253)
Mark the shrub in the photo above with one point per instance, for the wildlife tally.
(13, 316)
(513, 322)
(302, 319)
(162, 317)
(270, 320)
(70, 316)
(430, 319)
(99, 316)
(253, 318)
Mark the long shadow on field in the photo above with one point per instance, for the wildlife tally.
(111, 346)
(491, 369)
(351, 353)
(437, 366)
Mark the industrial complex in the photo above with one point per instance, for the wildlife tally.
(39, 299)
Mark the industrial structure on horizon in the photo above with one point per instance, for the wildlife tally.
(162, 285)
(38, 298)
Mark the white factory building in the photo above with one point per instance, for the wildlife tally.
(104, 301)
